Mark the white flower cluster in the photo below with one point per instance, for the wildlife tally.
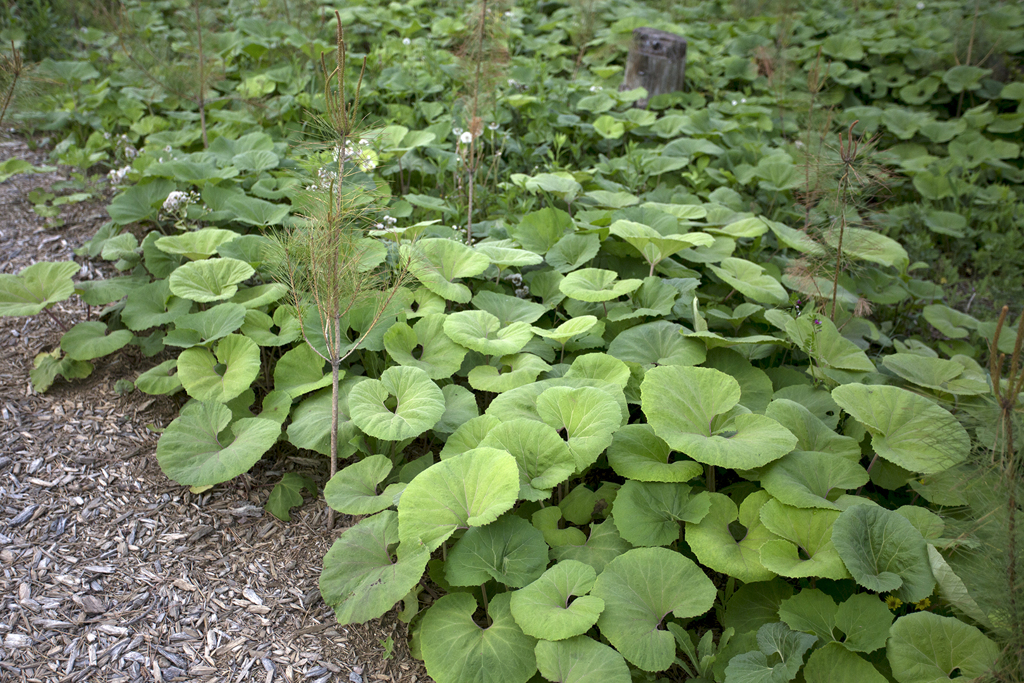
(386, 223)
(522, 290)
(117, 176)
(743, 100)
(406, 41)
(359, 154)
(596, 88)
(124, 147)
(177, 201)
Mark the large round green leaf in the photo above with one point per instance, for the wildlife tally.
(353, 490)
(259, 326)
(206, 326)
(835, 664)
(927, 648)
(197, 245)
(692, 409)
(652, 245)
(587, 416)
(162, 379)
(471, 489)
(602, 546)
(418, 404)
(437, 263)
(751, 280)
(36, 287)
(89, 340)
(510, 373)
(152, 305)
(596, 285)
(580, 660)
(939, 374)
(469, 435)
(510, 551)
(222, 377)
(301, 371)
(657, 343)
(191, 452)
(650, 513)
(804, 547)
(459, 407)
(210, 279)
(362, 579)
(573, 251)
(569, 329)
(636, 452)
(779, 656)
(906, 429)
(545, 609)
(714, 544)
(310, 426)
(809, 479)
(425, 346)
(884, 552)
(508, 309)
(455, 649)
(812, 433)
(544, 459)
(482, 332)
(640, 588)
(820, 339)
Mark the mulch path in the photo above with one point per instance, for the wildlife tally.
(109, 571)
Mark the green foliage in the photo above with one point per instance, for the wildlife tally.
(583, 364)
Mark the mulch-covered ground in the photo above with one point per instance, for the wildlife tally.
(109, 571)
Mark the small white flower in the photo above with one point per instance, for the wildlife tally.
(130, 152)
(364, 142)
(743, 100)
(493, 125)
(167, 149)
(596, 88)
(456, 131)
(175, 200)
(920, 5)
(106, 136)
(513, 83)
(508, 15)
(798, 144)
(406, 41)
(466, 138)
(734, 103)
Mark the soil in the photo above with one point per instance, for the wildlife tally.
(110, 571)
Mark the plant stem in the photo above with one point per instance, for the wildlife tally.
(202, 78)
(709, 478)
(334, 411)
(483, 593)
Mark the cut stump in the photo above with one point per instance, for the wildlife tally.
(656, 62)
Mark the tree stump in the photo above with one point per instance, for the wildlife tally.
(656, 62)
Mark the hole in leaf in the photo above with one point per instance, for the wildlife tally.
(802, 554)
(220, 369)
(415, 306)
(955, 673)
(572, 598)
(738, 531)
(391, 403)
(417, 352)
(563, 432)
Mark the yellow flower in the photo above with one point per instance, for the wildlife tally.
(893, 603)
(924, 604)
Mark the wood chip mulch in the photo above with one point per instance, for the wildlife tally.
(109, 571)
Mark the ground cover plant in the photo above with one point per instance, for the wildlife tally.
(617, 393)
